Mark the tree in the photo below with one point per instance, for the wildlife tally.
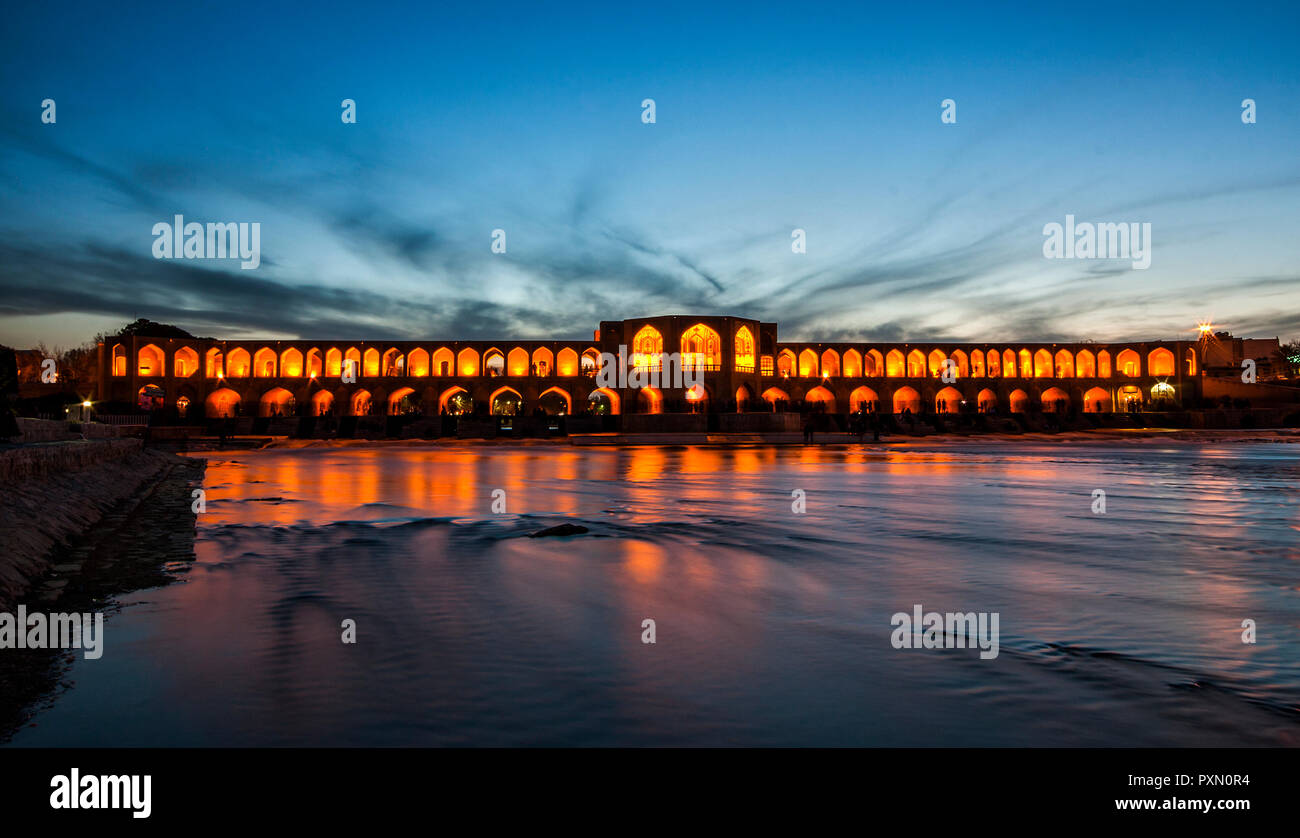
(1289, 358)
(148, 329)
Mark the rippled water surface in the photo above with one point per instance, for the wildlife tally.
(773, 628)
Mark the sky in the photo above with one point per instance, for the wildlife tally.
(528, 118)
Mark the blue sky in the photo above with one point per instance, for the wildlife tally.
(527, 118)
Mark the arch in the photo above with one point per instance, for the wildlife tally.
(150, 362)
(935, 360)
(183, 406)
(830, 364)
(1042, 364)
(394, 363)
(1064, 363)
(948, 400)
(119, 359)
(444, 362)
(987, 401)
(1008, 364)
(517, 362)
(276, 402)
(467, 362)
(1161, 361)
(976, 363)
(185, 362)
(494, 363)
(820, 399)
(852, 364)
(315, 363)
(864, 398)
(566, 363)
(151, 397)
(807, 363)
(744, 350)
(649, 400)
(543, 362)
(1096, 400)
(1129, 397)
(697, 398)
(221, 403)
(370, 363)
(603, 400)
(873, 363)
(743, 397)
(322, 403)
(1103, 364)
(333, 362)
(506, 401)
(701, 348)
(905, 398)
(963, 365)
(1085, 365)
(403, 402)
(1018, 401)
(993, 369)
(352, 361)
(238, 363)
(264, 363)
(785, 363)
(1055, 400)
(895, 365)
(213, 367)
(1026, 364)
(1128, 363)
(455, 401)
(1191, 361)
(546, 402)
(359, 404)
(417, 363)
(915, 364)
(589, 363)
(647, 347)
(291, 363)
(776, 397)
(766, 365)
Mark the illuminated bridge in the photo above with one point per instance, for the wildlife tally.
(744, 368)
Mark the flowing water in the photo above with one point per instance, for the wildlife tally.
(772, 627)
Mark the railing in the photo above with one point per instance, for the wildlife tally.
(121, 419)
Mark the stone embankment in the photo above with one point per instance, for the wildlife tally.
(52, 493)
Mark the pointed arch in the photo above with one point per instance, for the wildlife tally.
(1161, 362)
(455, 401)
(743, 397)
(1026, 364)
(895, 364)
(948, 400)
(352, 361)
(185, 362)
(776, 397)
(905, 398)
(543, 362)
(444, 362)
(821, 399)
(1085, 365)
(213, 366)
(864, 398)
(609, 397)
(276, 402)
(744, 350)
(852, 364)
(1096, 400)
(394, 363)
(315, 363)
(566, 364)
(993, 367)
(830, 364)
(151, 362)
(264, 363)
(238, 363)
(221, 403)
(1064, 363)
(1055, 400)
(987, 401)
(322, 403)
(915, 364)
(1103, 364)
(467, 362)
(401, 403)
(649, 400)
(1129, 363)
(701, 348)
(291, 363)
(976, 363)
(1018, 401)
(120, 359)
(359, 404)
(873, 363)
(935, 361)
(333, 362)
(786, 363)
(1042, 364)
(417, 363)
(647, 347)
(558, 391)
(808, 363)
(1009, 364)
(963, 364)
(516, 362)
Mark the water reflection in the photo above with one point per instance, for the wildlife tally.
(773, 626)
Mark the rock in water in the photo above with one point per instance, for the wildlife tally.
(562, 529)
